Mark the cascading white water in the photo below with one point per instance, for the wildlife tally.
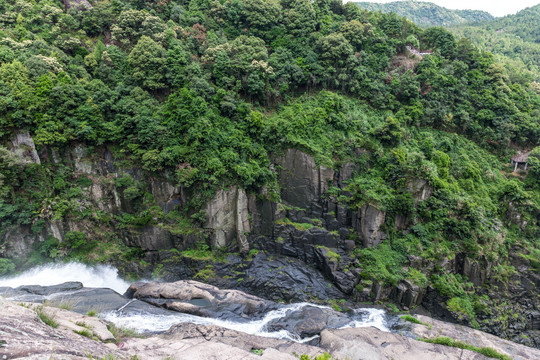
(147, 323)
(107, 277)
(52, 274)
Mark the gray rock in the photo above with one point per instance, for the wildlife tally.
(474, 337)
(420, 189)
(228, 218)
(217, 302)
(309, 321)
(302, 181)
(368, 224)
(24, 335)
(24, 147)
(373, 344)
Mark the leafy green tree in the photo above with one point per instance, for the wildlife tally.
(147, 61)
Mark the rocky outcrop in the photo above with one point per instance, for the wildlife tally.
(373, 344)
(212, 300)
(420, 189)
(228, 218)
(202, 342)
(368, 223)
(473, 337)
(24, 335)
(309, 321)
(303, 181)
(24, 147)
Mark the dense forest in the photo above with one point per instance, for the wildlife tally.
(426, 14)
(513, 39)
(206, 93)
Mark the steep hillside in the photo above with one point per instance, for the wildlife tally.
(295, 150)
(427, 14)
(514, 39)
(524, 24)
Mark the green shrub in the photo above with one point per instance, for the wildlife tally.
(6, 266)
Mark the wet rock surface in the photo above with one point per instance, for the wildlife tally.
(309, 321)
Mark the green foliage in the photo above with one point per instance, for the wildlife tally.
(6, 266)
(414, 320)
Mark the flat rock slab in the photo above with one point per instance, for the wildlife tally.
(373, 344)
(24, 336)
(473, 337)
(202, 342)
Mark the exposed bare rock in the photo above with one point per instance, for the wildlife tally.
(368, 224)
(474, 337)
(187, 290)
(420, 189)
(373, 344)
(302, 180)
(24, 147)
(228, 218)
(24, 336)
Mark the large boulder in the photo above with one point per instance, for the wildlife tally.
(211, 300)
(209, 342)
(309, 321)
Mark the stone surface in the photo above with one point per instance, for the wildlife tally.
(373, 344)
(420, 189)
(474, 337)
(368, 224)
(302, 180)
(24, 336)
(216, 302)
(24, 147)
(309, 321)
(228, 218)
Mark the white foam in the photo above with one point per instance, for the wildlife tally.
(369, 317)
(150, 323)
(53, 274)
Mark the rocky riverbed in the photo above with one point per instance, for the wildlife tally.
(194, 320)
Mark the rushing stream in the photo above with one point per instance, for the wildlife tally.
(144, 322)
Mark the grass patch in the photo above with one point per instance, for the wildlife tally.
(297, 226)
(47, 319)
(92, 313)
(206, 273)
(414, 320)
(486, 351)
(120, 333)
(85, 332)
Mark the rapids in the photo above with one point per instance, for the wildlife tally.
(102, 276)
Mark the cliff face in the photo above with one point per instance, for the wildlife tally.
(309, 239)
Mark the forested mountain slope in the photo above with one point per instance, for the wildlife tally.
(514, 39)
(426, 14)
(228, 141)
